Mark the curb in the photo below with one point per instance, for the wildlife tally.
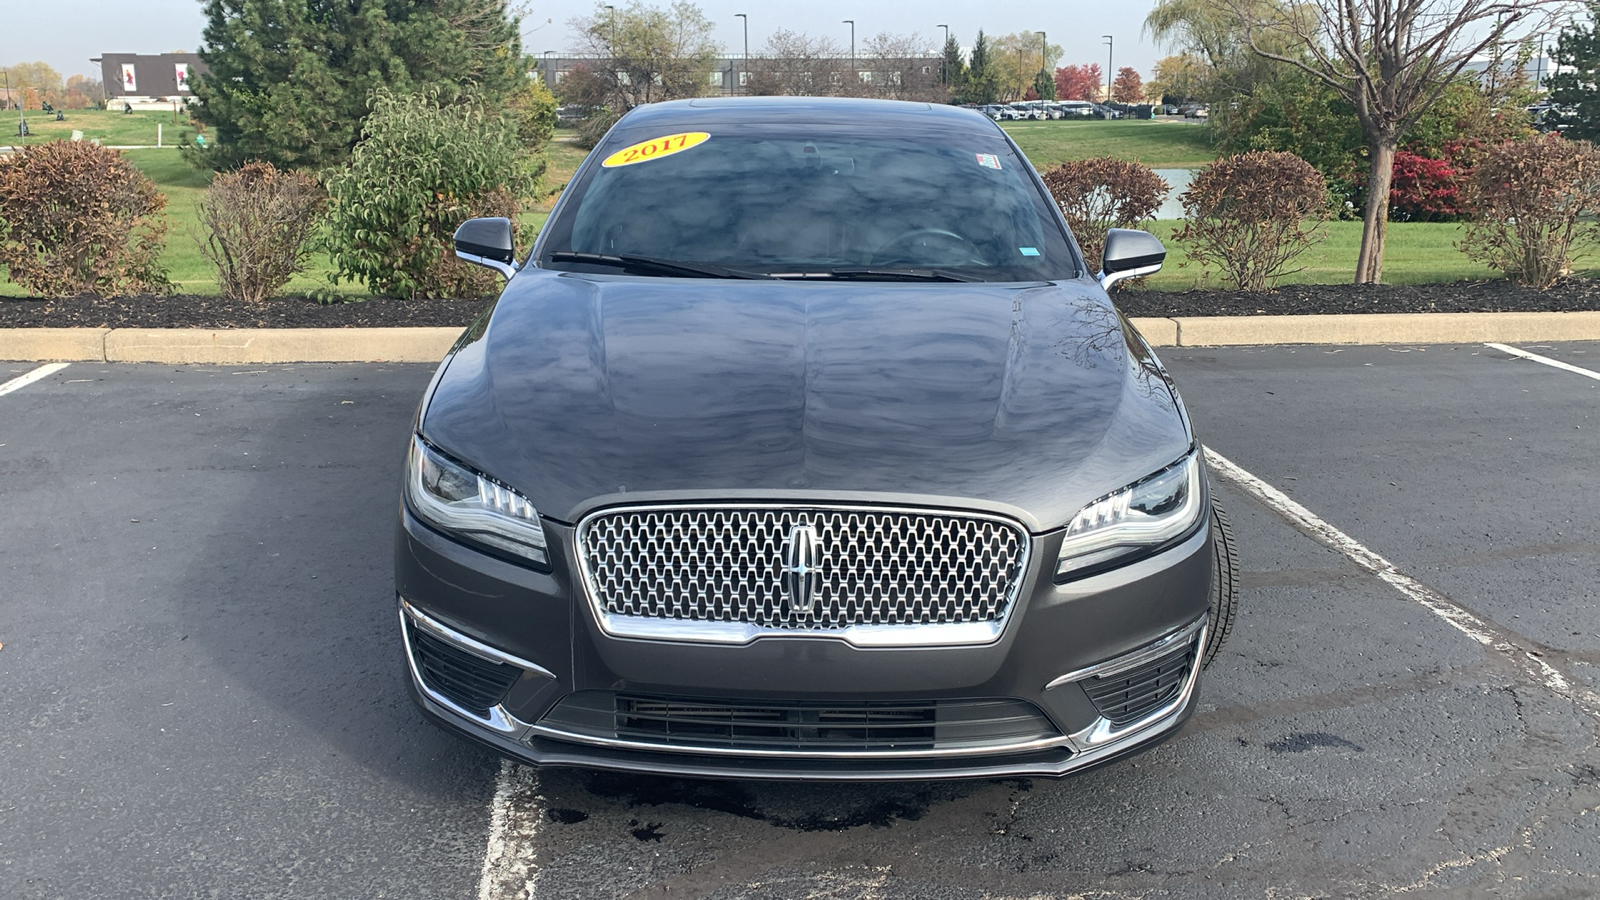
(231, 346)
(244, 346)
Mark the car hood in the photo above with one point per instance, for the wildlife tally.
(583, 391)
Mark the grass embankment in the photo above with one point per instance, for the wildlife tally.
(1157, 143)
(108, 126)
(1416, 253)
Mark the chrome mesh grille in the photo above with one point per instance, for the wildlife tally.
(875, 567)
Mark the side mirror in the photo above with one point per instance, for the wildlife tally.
(487, 243)
(1129, 254)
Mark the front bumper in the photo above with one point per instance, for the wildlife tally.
(529, 642)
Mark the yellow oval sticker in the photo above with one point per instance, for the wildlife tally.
(645, 151)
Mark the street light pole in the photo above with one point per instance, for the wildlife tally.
(613, 10)
(745, 62)
(852, 24)
(1043, 64)
(1111, 45)
(549, 77)
(944, 67)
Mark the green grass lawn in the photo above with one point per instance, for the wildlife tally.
(107, 126)
(1415, 253)
(1156, 143)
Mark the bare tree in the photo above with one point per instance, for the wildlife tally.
(644, 54)
(796, 64)
(902, 67)
(1391, 59)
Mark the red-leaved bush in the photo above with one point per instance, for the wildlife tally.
(1097, 195)
(1424, 189)
(1533, 204)
(78, 218)
(1247, 215)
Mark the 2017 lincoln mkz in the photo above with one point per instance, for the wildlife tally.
(804, 444)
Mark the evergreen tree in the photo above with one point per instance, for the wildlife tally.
(953, 70)
(289, 80)
(983, 85)
(1575, 88)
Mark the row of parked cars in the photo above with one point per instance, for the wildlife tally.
(1040, 110)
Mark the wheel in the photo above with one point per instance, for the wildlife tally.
(1224, 582)
(928, 247)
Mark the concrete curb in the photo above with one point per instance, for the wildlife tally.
(244, 346)
(231, 346)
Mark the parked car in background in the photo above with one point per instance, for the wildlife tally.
(805, 444)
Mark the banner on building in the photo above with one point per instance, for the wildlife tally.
(181, 70)
(129, 83)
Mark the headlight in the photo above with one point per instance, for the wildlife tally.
(457, 500)
(1133, 521)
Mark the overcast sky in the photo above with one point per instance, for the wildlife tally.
(67, 33)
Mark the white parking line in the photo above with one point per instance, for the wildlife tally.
(22, 381)
(1438, 604)
(1567, 367)
(509, 867)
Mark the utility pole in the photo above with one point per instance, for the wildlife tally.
(1111, 45)
(1043, 65)
(944, 67)
(745, 62)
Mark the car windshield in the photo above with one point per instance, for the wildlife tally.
(812, 202)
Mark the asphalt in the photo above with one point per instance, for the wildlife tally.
(204, 688)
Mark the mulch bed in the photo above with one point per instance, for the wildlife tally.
(194, 311)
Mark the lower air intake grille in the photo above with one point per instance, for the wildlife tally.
(470, 682)
(1130, 696)
(811, 727)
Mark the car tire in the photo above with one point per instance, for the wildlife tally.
(1224, 583)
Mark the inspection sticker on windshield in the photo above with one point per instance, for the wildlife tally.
(645, 151)
(988, 160)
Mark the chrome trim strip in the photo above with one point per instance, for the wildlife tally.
(1134, 659)
(1104, 734)
(476, 648)
(739, 633)
(619, 744)
(498, 719)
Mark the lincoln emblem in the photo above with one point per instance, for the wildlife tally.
(802, 568)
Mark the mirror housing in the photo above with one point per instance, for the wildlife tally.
(487, 243)
(1130, 254)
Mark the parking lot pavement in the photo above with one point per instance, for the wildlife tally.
(208, 700)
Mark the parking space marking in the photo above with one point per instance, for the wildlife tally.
(22, 381)
(1513, 649)
(1568, 367)
(509, 866)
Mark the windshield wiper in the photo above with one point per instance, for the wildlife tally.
(867, 273)
(651, 265)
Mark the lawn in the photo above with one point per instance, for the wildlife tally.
(1415, 253)
(112, 127)
(1159, 144)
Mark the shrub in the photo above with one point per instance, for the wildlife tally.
(79, 218)
(1247, 214)
(259, 221)
(1097, 195)
(1527, 198)
(420, 170)
(1423, 189)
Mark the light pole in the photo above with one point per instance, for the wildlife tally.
(745, 62)
(1111, 45)
(852, 24)
(1043, 64)
(613, 45)
(549, 77)
(944, 66)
